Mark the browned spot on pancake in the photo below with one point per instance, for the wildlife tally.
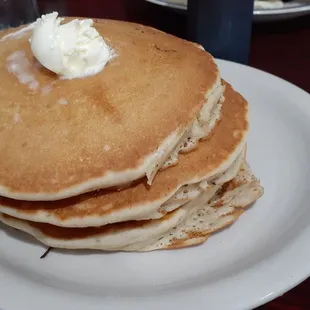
(182, 243)
(197, 234)
(228, 186)
(197, 237)
(100, 97)
(164, 49)
(218, 204)
(176, 243)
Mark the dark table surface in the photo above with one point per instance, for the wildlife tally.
(280, 48)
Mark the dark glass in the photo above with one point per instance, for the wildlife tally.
(16, 12)
(223, 27)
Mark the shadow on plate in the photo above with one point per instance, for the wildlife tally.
(16, 234)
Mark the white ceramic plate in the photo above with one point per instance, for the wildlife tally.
(265, 253)
(289, 10)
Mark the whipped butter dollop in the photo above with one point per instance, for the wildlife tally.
(71, 50)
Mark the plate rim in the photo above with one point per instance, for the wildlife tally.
(299, 8)
(283, 11)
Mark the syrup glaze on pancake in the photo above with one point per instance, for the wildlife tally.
(60, 138)
(212, 157)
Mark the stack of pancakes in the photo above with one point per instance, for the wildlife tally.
(148, 154)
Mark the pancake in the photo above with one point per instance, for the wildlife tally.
(215, 161)
(188, 225)
(61, 138)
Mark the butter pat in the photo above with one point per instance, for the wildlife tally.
(71, 50)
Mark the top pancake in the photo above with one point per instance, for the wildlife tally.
(112, 124)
